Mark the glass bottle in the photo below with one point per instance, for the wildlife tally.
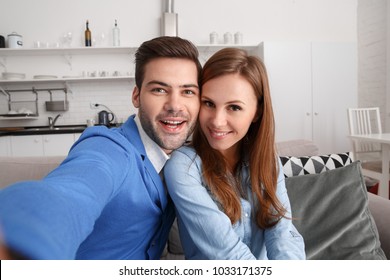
(88, 36)
(116, 35)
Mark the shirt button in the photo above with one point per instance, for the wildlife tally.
(246, 215)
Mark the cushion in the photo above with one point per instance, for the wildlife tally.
(294, 166)
(331, 212)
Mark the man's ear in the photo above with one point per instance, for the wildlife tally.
(135, 97)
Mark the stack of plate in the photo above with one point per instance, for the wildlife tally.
(13, 76)
(45, 77)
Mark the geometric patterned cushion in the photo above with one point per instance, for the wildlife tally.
(295, 166)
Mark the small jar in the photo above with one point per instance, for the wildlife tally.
(228, 38)
(213, 38)
(14, 40)
(238, 38)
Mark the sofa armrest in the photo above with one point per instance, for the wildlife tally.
(297, 148)
(380, 210)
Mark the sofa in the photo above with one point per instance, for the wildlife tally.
(333, 211)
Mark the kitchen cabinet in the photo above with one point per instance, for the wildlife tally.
(312, 85)
(42, 145)
(5, 146)
(31, 145)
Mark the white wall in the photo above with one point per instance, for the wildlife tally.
(374, 56)
(258, 20)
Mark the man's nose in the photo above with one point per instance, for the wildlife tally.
(174, 102)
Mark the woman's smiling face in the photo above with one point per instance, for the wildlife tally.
(228, 107)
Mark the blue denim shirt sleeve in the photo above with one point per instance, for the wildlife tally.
(283, 241)
(207, 233)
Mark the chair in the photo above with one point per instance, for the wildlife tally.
(366, 121)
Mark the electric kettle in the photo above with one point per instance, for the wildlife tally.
(105, 118)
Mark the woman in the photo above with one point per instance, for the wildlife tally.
(227, 186)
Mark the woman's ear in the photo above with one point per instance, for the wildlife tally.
(256, 117)
(259, 111)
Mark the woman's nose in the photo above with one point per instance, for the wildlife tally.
(218, 119)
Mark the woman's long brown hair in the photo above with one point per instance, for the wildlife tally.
(258, 146)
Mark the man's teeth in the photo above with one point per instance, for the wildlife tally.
(172, 122)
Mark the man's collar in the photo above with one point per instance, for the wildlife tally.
(154, 152)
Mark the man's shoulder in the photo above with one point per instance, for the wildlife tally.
(126, 138)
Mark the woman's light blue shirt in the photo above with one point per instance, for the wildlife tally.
(206, 231)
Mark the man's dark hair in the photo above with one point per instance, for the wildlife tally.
(168, 47)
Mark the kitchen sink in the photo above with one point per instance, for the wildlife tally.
(56, 128)
(48, 130)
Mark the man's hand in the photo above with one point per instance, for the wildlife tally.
(4, 255)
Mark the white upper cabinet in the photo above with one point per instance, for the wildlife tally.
(312, 85)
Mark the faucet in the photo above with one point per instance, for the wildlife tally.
(52, 121)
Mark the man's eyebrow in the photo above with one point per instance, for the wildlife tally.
(189, 86)
(155, 82)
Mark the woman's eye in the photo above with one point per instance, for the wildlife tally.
(235, 108)
(207, 103)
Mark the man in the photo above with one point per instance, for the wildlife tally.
(106, 200)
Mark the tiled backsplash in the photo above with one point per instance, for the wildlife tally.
(116, 95)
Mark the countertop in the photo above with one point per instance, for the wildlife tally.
(37, 130)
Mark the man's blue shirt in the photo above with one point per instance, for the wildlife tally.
(105, 201)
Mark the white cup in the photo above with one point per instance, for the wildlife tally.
(90, 122)
(37, 44)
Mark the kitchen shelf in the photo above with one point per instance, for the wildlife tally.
(30, 117)
(28, 104)
(6, 52)
(216, 47)
(75, 79)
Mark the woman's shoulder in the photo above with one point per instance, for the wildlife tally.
(186, 150)
(185, 155)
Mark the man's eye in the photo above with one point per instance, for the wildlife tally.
(159, 90)
(189, 92)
